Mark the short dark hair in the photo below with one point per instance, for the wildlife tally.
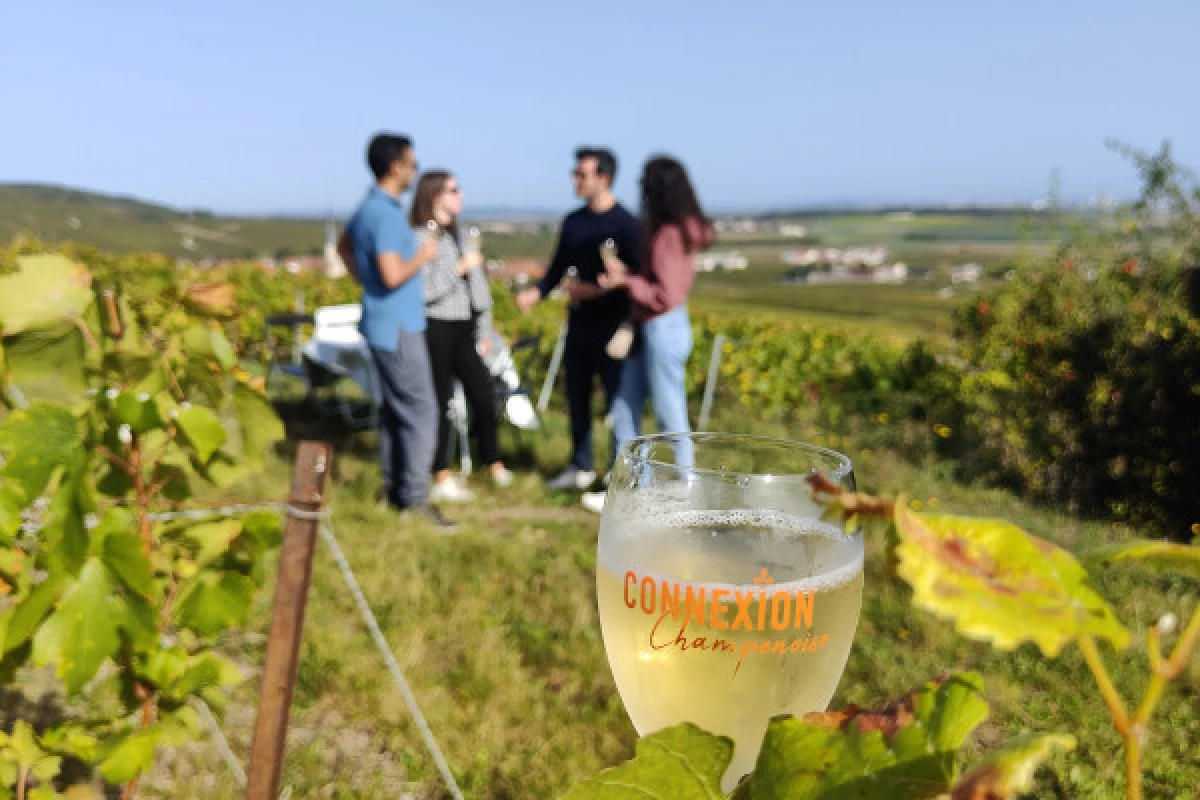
(606, 162)
(384, 150)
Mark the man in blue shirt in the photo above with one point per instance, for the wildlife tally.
(380, 246)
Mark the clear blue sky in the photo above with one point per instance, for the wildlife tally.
(261, 106)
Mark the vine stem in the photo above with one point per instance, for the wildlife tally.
(1120, 717)
(144, 495)
(1133, 729)
(22, 779)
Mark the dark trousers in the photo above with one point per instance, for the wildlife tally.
(452, 354)
(584, 358)
(407, 419)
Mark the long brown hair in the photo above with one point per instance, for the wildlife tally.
(428, 188)
(669, 199)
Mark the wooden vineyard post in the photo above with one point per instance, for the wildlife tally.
(313, 463)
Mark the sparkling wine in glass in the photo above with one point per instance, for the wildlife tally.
(724, 598)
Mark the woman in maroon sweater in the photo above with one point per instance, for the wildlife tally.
(674, 229)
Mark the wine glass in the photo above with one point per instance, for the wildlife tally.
(473, 241)
(724, 597)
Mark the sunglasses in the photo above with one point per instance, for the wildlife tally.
(579, 174)
(450, 190)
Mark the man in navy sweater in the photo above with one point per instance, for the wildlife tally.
(595, 314)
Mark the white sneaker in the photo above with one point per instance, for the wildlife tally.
(594, 501)
(450, 491)
(501, 478)
(572, 479)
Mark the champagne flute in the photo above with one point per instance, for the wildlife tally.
(724, 598)
(473, 241)
(608, 251)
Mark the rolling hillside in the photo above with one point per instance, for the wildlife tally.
(124, 224)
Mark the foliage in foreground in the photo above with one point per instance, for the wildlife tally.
(996, 583)
(110, 412)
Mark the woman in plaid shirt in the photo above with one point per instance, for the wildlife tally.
(458, 312)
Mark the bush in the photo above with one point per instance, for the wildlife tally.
(1083, 384)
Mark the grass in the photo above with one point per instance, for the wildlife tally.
(496, 630)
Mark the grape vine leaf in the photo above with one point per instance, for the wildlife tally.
(35, 442)
(82, 631)
(999, 583)
(222, 349)
(129, 755)
(23, 748)
(47, 365)
(30, 612)
(212, 602)
(1010, 770)
(203, 431)
(264, 527)
(679, 763)
(126, 558)
(260, 425)
(45, 291)
(1155, 555)
(12, 501)
(908, 749)
(213, 538)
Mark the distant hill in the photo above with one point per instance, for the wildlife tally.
(125, 224)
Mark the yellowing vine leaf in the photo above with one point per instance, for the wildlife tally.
(1010, 770)
(999, 583)
(1155, 555)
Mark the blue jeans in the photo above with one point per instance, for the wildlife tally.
(655, 368)
(408, 419)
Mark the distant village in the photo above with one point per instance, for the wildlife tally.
(811, 265)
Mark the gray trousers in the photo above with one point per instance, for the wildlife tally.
(408, 419)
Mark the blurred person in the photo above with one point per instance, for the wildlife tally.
(674, 228)
(594, 315)
(380, 248)
(458, 312)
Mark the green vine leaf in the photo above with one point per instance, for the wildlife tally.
(213, 538)
(264, 527)
(125, 557)
(203, 431)
(138, 410)
(130, 756)
(64, 532)
(70, 739)
(908, 749)
(260, 425)
(44, 292)
(1010, 770)
(999, 583)
(23, 748)
(222, 349)
(36, 441)
(47, 365)
(1155, 555)
(30, 612)
(82, 632)
(213, 603)
(679, 763)
(12, 501)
